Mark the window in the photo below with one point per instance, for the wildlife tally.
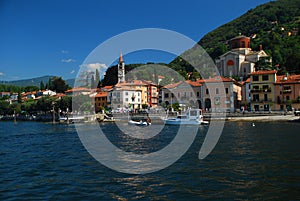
(198, 94)
(126, 93)
(255, 78)
(255, 97)
(287, 98)
(255, 87)
(265, 77)
(178, 95)
(166, 95)
(217, 91)
(207, 92)
(126, 99)
(265, 97)
(226, 89)
(172, 95)
(243, 44)
(265, 87)
(191, 94)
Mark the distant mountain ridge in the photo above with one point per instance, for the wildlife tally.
(35, 81)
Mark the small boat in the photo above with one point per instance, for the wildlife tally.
(139, 119)
(191, 117)
(139, 123)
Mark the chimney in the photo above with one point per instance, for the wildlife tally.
(260, 47)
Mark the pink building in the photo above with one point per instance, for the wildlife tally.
(287, 92)
(221, 94)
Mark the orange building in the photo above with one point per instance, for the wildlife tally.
(100, 101)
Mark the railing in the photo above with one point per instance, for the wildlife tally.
(287, 91)
(260, 90)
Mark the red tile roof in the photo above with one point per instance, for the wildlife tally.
(78, 89)
(282, 79)
(216, 79)
(101, 94)
(192, 83)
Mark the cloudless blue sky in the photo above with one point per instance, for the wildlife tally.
(53, 37)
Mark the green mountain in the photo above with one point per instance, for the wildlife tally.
(35, 81)
(274, 25)
(28, 82)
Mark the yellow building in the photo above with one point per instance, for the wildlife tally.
(262, 90)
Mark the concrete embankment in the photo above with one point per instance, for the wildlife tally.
(263, 117)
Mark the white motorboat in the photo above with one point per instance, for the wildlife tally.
(191, 117)
(139, 123)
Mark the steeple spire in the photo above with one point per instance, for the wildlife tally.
(121, 58)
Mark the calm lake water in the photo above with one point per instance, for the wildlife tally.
(39, 161)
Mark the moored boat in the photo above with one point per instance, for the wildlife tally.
(191, 117)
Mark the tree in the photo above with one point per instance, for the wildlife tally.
(65, 102)
(45, 104)
(42, 86)
(59, 85)
(263, 64)
(4, 105)
(30, 88)
(93, 85)
(19, 97)
(97, 77)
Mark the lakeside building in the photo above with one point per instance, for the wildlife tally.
(78, 91)
(246, 93)
(46, 92)
(187, 93)
(136, 85)
(125, 98)
(287, 92)
(5, 94)
(100, 100)
(220, 94)
(240, 60)
(152, 94)
(262, 90)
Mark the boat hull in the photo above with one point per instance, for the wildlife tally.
(139, 123)
(178, 122)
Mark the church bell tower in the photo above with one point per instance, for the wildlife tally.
(121, 70)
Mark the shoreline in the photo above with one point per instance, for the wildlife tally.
(266, 118)
(231, 118)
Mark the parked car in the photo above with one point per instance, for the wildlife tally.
(297, 112)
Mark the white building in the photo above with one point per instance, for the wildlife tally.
(240, 60)
(125, 97)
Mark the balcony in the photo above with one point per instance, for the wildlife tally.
(261, 90)
(287, 91)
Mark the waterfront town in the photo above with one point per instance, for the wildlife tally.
(256, 90)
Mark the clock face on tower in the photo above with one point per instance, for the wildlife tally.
(120, 73)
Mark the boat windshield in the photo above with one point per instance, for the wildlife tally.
(182, 117)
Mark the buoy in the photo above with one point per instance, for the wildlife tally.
(253, 124)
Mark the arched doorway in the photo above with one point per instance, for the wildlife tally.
(207, 104)
(199, 104)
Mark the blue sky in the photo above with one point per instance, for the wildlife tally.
(54, 37)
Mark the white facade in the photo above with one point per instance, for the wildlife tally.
(125, 98)
(239, 62)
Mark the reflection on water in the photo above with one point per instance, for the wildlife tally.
(41, 161)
